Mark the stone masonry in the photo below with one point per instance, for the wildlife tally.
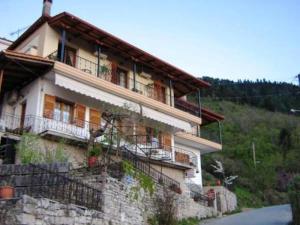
(118, 208)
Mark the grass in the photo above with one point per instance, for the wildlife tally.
(247, 199)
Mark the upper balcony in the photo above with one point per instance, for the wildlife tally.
(209, 133)
(112, 72)
(76, 43)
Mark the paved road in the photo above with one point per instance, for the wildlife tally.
(275, 215)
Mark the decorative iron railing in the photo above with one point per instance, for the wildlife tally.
(146, 168)
(104, 71)
(40, 181)
(147, 147)
(210, 132)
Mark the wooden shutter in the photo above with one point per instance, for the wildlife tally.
(95, 119)
(114, 67)
(140, 131)
(182, 158)
(167, 142)
(49, 105)
(79, 115)
(126, 126)
(159, 92)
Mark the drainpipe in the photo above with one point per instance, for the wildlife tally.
(98, 59)
(63, 43)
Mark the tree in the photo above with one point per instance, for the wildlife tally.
(285, 142)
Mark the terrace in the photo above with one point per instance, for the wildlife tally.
(140, 144)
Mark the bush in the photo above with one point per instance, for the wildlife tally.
(31, 149)
(165, 209)
(294, 195)
(247, 199)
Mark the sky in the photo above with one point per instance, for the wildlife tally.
(230, 39)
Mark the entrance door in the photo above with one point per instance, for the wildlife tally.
(7, 151)
(23, 111)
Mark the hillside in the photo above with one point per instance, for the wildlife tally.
(276, 137)
(272, 96)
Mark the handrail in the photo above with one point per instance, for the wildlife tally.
(64, 188)
(38, 124)
(94, 69)
(41, 182)
(155, 174)
(146, 168)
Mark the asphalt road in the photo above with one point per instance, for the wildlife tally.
(275, 215)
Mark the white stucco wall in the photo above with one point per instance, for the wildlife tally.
(198, 173)
(30, 95)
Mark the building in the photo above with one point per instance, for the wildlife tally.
(4, 43)
(62, 73)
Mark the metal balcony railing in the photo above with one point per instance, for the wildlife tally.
(104, 71)
(141, 145)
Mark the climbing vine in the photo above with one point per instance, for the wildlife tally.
(144, 182)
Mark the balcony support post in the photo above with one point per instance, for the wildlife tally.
(199, 113)
(1, 78)
(170, 92)
(98, 59)
(134, 76)
(220, 132)
(63, 43)
(199, 102)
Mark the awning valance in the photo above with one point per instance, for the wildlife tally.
(112, 99)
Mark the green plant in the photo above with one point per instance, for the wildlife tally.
(165, 208)
(31, 150)
(144, 182)
(294, 195)
(189, 221)
(247, 199)
(95, 151)
(27, 149)
(7, 182)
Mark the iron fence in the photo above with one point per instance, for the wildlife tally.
(40, 181)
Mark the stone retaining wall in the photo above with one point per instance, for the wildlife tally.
(226, 201)
(118, 208)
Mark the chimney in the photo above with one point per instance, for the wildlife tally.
(47, 8)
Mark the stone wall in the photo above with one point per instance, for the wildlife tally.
(226, 201)
(30, 211)
(118, 208)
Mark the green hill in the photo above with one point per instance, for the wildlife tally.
(276, 137)
(273, 96)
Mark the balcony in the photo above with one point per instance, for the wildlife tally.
(106, 72)
(210, 128)
(141, 145)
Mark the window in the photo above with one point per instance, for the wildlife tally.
(159, 92)
(63, 111)
(122, 78)
(153, 137)
(69, 55)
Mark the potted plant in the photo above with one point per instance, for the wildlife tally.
(6, 189)
(93, 155)
(175, 188)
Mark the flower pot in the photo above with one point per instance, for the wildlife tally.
(92, 161)
(6, 192)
